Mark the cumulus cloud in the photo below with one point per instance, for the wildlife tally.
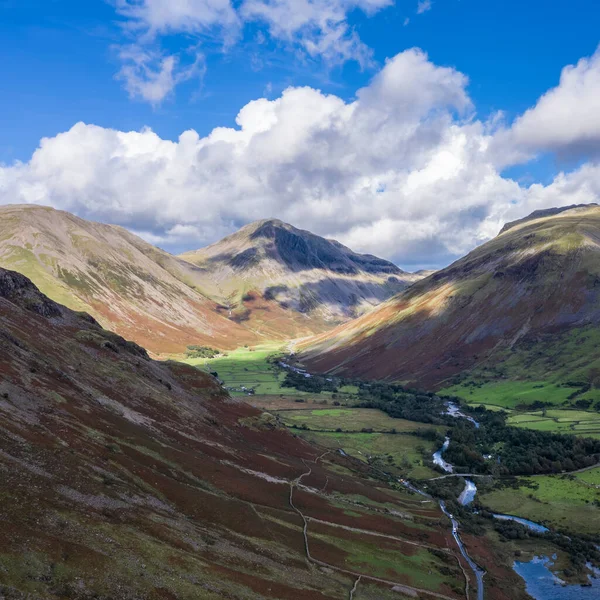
(402, 171)
(565, 120)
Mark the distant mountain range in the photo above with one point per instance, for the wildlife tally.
(271, 260)
(533, 290)
(268, 281)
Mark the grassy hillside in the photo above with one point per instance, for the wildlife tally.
(127, 478)
(127, 284)
(524, 307)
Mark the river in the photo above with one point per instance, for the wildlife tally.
(540, 582)
(478, 572)
(439, 461)
(525, 522)
(468, 494)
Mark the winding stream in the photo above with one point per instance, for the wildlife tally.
(468, 494)
(478, 572)
(540, 582)
(525, 522)
(438, 459)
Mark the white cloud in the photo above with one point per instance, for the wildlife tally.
(565, 120)
(403, 171)
(423, 6)
(319, 27)
(173, 16)
(152, 76)
(147, 71)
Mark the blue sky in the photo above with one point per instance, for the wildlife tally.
(62, 59)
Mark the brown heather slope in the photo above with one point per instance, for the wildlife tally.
(121, 477)
(540, 276)
(128, 285)
(296, 273)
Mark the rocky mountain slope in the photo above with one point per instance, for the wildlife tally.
(130, 286)
(121, 477)
(528, 290)
(269, 281)
(295, 270)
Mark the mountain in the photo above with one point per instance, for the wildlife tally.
(533, 291)
(128, 285)
(122, 477)
(269, 281)
(273, 262)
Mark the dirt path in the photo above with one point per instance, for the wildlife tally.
(400, 587)
(353, 590)
(377, 534)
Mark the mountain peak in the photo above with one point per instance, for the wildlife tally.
(547, 212)
(298, 269)
(540, 276)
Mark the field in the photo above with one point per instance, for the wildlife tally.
(405, 452)
(510, 394)
(249, 368)
(513, 397)
(591, 477)
(577, 422)
(346, 429)
(366, 434)
(349, 420)
(561, 501)
(559, 373)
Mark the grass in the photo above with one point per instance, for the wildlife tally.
(388, 560)
(562, 501)
(406, 451)
(510, 394)
(553, 369)
(247, 367)
(349, 419)
(591, 477)
(576, 422)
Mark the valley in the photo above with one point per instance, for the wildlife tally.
(284, 445)
(404, 448)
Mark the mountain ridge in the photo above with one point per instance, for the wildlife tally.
(105, 270)
(539, 275)
(296, 268)
(237, 296)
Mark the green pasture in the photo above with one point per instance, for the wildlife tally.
(561, 501)
(349, 419)
(401, 451)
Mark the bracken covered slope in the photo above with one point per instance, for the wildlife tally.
(539, 278)
(122, 477)
(130, 286)
(296, 270)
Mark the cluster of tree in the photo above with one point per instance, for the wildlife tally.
(402, 403)
(514, 451)
(314, 384)
(201, 352)
(517, 451)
